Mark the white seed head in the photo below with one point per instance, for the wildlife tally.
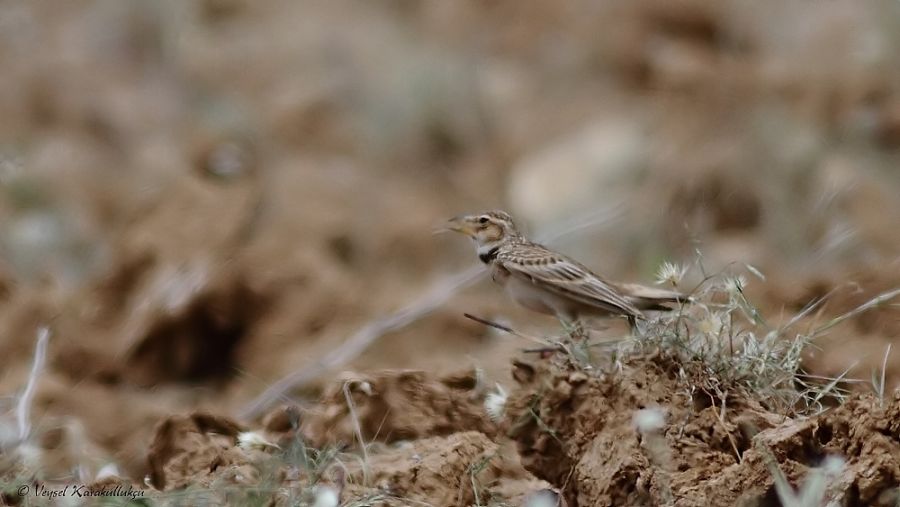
(253, 440)
(710, 325)
(649, 420)
(670, 273)
(495, 403)
(326, 496)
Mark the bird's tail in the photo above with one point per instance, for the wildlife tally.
(652, 298)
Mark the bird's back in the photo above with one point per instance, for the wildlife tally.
(563, 276)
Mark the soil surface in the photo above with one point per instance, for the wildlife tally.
(223, 213)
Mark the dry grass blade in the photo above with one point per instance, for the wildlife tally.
(868, 305)
(23, 409)
(831, 386)
(808, 309)
(357, 429)
(878, 384)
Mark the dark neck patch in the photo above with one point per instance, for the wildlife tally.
(490, 255)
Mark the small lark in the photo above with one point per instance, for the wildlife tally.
(549, 282)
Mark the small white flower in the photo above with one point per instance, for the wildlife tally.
(253, 440)
(670, 273)
(649, 420)
(495, 403)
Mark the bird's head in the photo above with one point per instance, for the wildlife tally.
(489, 229)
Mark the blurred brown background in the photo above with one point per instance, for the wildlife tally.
(199, 197)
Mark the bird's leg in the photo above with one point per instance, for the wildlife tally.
(578, 332)
(572, 327)
(633, 325)
(575, 340)
(564, 323)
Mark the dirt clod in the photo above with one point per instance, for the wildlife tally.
(583, 441)
(187, 446)
(397, 405)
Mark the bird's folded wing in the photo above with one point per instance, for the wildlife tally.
(565, 277)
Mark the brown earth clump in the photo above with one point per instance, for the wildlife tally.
(577, 432)
(204, 451)
(397, 405)
(185, 448)
(438, 470)
(570, 430)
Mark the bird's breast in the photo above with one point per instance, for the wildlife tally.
(499, 274)
(533, 297)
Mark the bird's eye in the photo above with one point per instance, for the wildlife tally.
(483, 220)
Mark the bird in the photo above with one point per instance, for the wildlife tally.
(549, 282)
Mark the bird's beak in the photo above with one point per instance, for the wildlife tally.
(459, 224)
